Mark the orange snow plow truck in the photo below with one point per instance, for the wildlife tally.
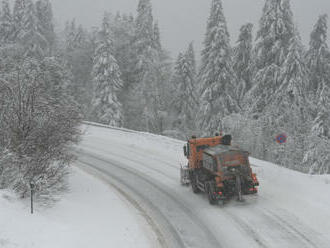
(218, 169)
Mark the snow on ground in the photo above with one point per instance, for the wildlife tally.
(306, 196)
(292, 209)
(92, 214)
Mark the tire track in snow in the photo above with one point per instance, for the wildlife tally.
(141, 153)
(192, 217)
(288, 227)
(245, 226)
(248, 229)
(134, 161)
(101, 174)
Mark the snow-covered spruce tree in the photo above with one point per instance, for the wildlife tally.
(30, 37)
(151, 73)
(6, 22)
(216, 75)
(80, 37)
(289, 108)
(123, 30)
(276, 30)
(156, 38)
(243, 62)
(317, 158)
(77, 47)
(44, 14)
(18, 15)
(106, 108)
(70, 33)
(144, 36)
(184, 104)
(138, 104)
(318, 59)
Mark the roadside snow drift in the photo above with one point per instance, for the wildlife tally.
(90, 215)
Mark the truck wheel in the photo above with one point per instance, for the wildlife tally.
(194, 184)
(211, 196)
(239, 188)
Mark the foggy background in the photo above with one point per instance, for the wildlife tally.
(182, 21)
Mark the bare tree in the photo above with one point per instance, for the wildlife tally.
(39, 123)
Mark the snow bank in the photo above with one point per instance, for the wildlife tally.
(90, 215)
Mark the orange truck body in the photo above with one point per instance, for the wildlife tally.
(196, 156)
(219, 170)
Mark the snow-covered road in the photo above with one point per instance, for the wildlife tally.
(291, 209)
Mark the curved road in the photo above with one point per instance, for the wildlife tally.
(145, 169)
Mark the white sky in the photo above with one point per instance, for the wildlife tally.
(182, 21)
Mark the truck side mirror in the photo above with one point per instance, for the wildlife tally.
(226, 140)
(185, 151)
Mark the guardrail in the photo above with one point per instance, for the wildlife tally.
(89, 123)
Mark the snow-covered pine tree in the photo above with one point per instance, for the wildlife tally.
(142, 46)
(18, 16)
(78, 48)
(243, 62)
(276, 29)
(123, 29)
(70, 33)
(294, 78)
(144, 36)
(184, 94)
(289, 108)
(317, 158)
(106, 108)
(190, 55)
(30, 37)
(151, 70)
(44, 14)
(156, 40)
(216, 74)
(318, 58)
(80, 38)
(6, 22)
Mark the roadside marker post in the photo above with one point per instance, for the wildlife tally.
(32, 186)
